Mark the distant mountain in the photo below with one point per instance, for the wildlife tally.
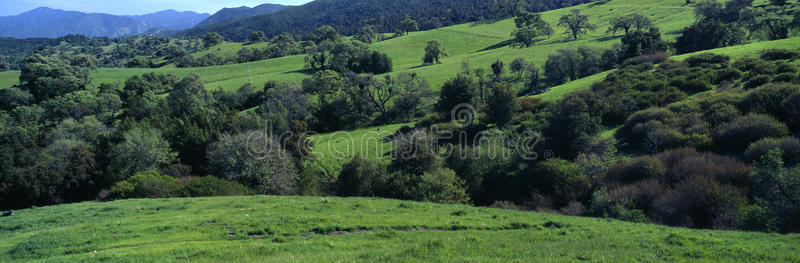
(348, 16)
(241, 12)
(172, 20)
(50, 23)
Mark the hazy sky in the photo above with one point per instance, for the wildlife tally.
(133, 7)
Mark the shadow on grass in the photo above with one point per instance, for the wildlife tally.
(495, 46)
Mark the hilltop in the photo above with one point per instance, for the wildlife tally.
(314, 229)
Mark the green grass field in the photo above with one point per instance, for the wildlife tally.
(315, 229)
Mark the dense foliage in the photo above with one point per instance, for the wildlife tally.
(349, 17)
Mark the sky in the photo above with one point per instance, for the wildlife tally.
(133, 7)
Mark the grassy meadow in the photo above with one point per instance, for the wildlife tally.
(315, 229)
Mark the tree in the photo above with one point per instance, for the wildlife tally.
(502, 104)
(211, 39)
(409, 25)
(367, 34)
(458, 90)
(708, 34)
(48, 77)
(380, 93)
(565, 64)
(13, 97)
(530, 27)
(576, 23)
(518, 66)
(634, 22)
(498, 69)
(323, 33)
(573, 122)
(4, 64)
(141, 150)
(779, 189)
(256, 36)
(637, 43)
(433, 51)
(256, 160)
(414, 95)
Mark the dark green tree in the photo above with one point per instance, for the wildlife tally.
(212, 39)
(576, 23)
(502, 104)
(530, 28)
(433, 51)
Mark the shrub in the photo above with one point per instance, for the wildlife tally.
(748, 129)
(708, 59)
(727, 74)
(720, 113)
(779, 54)
(789, 145)
(357, 177)
(149, 184)
(634, 170)
(785, 77)
(441, 186)
(210, 186)
(254, 159)
(559, 180)
(703, 203)
(769, 99)
(754, 65)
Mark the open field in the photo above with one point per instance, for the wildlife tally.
(314, 229)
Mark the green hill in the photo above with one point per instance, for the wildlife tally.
(314, 229)
(480, 42)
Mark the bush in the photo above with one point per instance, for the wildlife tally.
(210, 186)
(708, 59)
(748, 129)
(779, 54)
(703, 203)
(256, 160)
(789, 145)
(785, 77)
(769, 99)
(357, 178)
(149, 184)
(559, 180)
(441, 186)
(754, 65)
(634, 170)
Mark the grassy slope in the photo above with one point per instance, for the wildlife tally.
(335, 149)
(8, 78)
(481, 43)
(302, 229)
(735, 52)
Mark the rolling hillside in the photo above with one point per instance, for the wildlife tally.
(314, 229)
(480, 42)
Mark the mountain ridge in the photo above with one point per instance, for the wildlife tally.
(45, 22)
(231, 13)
